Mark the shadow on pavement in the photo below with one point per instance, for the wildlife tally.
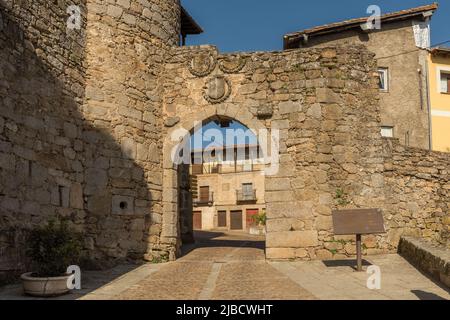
(423, 295)
(90, 281)
(208, 239)
(344, 263)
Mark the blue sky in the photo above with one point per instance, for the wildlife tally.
(259, 25)
(199, 139)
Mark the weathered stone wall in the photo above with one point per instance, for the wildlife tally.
(417, 189)
(404, 106)
(87, 118)
(41, 90)
(80, 123)
(432, 260)
(325, 104)
(127, 42)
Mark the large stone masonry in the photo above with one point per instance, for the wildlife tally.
(87, 116)
(324, 102)
(80, 123)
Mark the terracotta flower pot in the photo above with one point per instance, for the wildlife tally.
(44, 287)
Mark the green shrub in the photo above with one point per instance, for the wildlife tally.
(53, 248)
(260, 218)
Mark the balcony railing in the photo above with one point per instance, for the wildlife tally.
(204, 201)
(246, 196)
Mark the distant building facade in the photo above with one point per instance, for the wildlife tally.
(439, 79)
(227, 188)
(401, 51)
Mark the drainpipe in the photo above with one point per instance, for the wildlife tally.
(430, 129)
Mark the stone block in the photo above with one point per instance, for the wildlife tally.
(324, 223)
(96, 177)
(70, 130)
(278, 184)
(325, 95)
(292, 239)
(315, 111)
(280, 253)
(284, 224)
(279, 196)
(171, 121)
(124, 3)
(323, 254)
(130, 113)
(76, 196)
(128, 146)
(122, 205)
(289, 107)
(100, 204)
(7, 161)
(265, 112)
(114, 11)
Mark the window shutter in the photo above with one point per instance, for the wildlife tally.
(444, 82)
(381, 75)
(387, 132)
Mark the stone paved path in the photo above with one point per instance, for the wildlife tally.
(337, 280)
(232, 266)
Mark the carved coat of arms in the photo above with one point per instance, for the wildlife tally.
(202, 64)
(232, 64)
(217, 89)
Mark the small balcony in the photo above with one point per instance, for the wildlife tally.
(247, 196)
(204, 200)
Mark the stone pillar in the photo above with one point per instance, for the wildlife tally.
(127, 43)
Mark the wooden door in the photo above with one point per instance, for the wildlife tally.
(204, 194)
(222, 219)
(250, 213)
(236, 220)
(197, 220)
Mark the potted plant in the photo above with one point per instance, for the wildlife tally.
(52, 249)
(260, 222)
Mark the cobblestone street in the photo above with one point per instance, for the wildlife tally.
(232, 266)
(223, 266)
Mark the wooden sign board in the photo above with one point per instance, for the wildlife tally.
(358, 221)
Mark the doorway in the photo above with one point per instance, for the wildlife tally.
(236, 220)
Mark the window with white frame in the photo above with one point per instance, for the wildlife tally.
(383, 83)
(445, 81)
(387, 131)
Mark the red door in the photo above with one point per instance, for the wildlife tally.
(250, 213)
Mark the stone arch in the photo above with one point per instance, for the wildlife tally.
(170, 233)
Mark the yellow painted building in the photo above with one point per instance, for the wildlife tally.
(439, 87)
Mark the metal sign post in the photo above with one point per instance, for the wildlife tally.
(358, 222)
(358, 253)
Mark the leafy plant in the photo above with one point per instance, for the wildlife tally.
(260, 218)
(160, 259)
(53, 248)
(341, 197)
(333, 251)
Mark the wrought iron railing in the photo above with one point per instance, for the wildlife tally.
(246, 196)
(204, 201)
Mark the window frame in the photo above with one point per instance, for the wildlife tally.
(439, 74)
(385, 71)
(245, 186)
(387, 127)
(446, 75)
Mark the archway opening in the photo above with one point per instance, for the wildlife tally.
(221, 190)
